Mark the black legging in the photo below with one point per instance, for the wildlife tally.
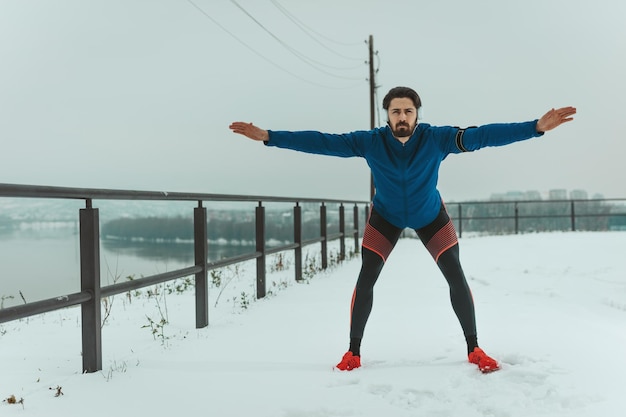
(439, 237)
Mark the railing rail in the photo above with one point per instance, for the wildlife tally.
(91, 294)
(43, 191)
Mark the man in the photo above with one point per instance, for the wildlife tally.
(404, 157)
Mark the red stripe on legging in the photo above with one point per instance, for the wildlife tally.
(352, 305)
(376, 242)
(443, 240)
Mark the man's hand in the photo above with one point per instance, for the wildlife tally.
(554, 118)
(249, 130)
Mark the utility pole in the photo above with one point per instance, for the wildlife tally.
(372, 103)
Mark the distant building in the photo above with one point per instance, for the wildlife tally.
(578, 195)
(508, 196)
(515, 195)
(557, 194)
(532, 195)
(497, 197)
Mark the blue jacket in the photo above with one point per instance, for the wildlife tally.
(405, 175)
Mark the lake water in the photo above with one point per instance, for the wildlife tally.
(45, 263)
(40, 250)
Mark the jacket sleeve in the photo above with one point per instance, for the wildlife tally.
(343, 145)
(497, 134)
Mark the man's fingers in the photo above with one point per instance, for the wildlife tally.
(566, 111)
(241, 127)
(555, 117)
(249, 130)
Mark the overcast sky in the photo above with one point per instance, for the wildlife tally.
(134, 94)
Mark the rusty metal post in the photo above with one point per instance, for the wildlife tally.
(460, 221)
(91, 311)
(342, 232)
(355, 217)
(297, 239)
(201, 258)
(324, 236)
(260, 247)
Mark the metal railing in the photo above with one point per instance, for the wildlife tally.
(492, 217)
(513, 217)
(91, 292)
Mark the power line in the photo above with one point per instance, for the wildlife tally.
(307, 30)
(282, 8)
(205, 14)
(311, 62)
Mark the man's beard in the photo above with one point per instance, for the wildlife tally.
(402, 130)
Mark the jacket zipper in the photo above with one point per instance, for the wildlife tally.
(404, 184)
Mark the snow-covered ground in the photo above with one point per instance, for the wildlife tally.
(550, 307)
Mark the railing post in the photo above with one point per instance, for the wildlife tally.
(460, 221)
(573, 216)
(342, 232)
(260, 247)
(516, 219)
(91, 312)
(297, 239)
(355, 217)
(324, 235)
(201, 258)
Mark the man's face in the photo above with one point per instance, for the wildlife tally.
(402, 117)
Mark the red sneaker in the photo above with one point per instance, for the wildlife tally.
(349, 362)
(485, 363)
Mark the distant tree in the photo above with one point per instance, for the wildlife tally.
(149, 228)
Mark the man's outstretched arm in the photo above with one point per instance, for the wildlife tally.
(249, 130)
(500, 134)
(555, 118)
(344, 145)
